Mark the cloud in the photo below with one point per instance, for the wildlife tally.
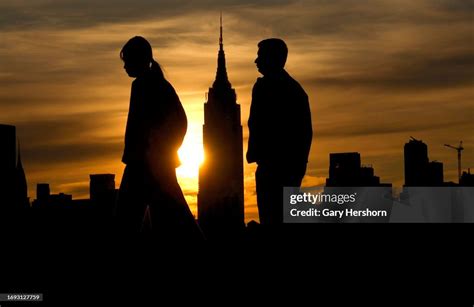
(60, 14)
(71, 153)
(382, 127)
(416, 71)
(67, 129)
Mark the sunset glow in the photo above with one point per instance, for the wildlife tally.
(191, 155)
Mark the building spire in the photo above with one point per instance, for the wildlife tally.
(222, 81)
(22, 185)
(221, 40)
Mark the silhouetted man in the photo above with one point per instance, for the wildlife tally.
(280, 130)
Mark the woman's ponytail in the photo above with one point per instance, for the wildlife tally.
(156, 68)
(139, 50)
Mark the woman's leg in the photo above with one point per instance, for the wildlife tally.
(131, 204)
(171, 216)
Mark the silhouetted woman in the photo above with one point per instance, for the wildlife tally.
(155, 130)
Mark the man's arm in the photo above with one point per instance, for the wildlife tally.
(301, 128)
(253, 130)
(307, 127)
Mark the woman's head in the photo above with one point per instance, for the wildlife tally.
(137, 56)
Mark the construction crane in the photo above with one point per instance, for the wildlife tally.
(459, 149)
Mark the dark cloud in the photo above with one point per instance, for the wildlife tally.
(74, 153)
(86, 13)
(63, 129)
(459, 6)
(383, 127)
(411, 71)
(354, 19)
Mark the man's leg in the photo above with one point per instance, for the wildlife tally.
(293, 176)
(270, 183)
(269, 196)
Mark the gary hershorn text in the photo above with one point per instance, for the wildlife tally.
(312, 212)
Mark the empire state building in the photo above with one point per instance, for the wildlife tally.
(221, 177)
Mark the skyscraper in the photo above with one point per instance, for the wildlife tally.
(13, 187)
(103, 193)
(221, 177)
(419, 171)
(416, 163)
(101, 186)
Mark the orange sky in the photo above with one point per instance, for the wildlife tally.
(376, 72)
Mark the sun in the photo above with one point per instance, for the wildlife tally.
(191, 155)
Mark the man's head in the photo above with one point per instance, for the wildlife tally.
(272, 55)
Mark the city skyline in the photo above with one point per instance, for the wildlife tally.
(224, 218)
(376, 73)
